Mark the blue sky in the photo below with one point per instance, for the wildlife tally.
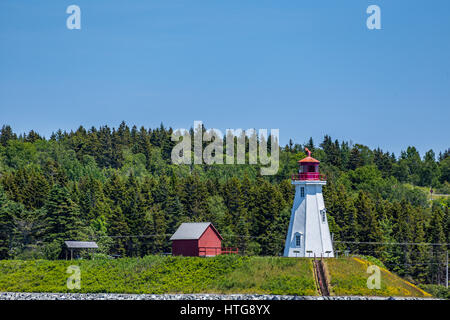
(308, 68)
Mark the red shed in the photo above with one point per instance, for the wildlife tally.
(196, 239)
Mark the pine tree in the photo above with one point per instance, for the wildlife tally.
(32, 136)
(345, 155)
(420, 254)
(270, 204)
(134, 212)
(287, 190)
(414, 163)
(105, 157)
(117, 152)
(404, 231)
(119, 231)
(277, 232)
(429, 173)
(123, 134)
(237, 214)
(54, 173)
(217, 212)
(6, 225)
(62, 217)
(91, 199)
(161, 243)
(142, 144)
(368, 226)
(115, 190)
(167, 146)
(437, 236)
(173, 210)
(36, 190)
(332, 151)
(310, 145)
(6, 134)
(194, 198)
(341, 208)
(355, 160)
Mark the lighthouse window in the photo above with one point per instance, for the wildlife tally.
(323, 212)
(302, 192)
(298, 240)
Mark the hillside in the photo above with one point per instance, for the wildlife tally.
(120, 188)
(348, 276)
(223, 274)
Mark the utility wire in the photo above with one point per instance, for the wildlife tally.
(394, 243)
(266, 237)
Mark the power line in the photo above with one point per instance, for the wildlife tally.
(267, 237)
(136, 236)
(394, 243)
(429, 253)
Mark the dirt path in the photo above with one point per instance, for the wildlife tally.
(321, 277)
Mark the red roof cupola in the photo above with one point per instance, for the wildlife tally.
(309, 169)
(308, 159)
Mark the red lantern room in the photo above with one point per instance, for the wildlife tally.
(308, 169)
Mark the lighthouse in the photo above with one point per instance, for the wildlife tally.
(308, 234)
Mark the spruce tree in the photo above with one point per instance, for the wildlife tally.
(119, 231)
(421, 252)
(355, 160)
(62, 220)
(161, 243)
(437, 236)
(6, 225)
(368, 226)
(6, 134)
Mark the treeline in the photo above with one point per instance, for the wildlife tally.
(408, 168)
(119, 188)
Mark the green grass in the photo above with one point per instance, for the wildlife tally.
(157, 274)
(222, 274)
(349, 277)
(271, 275)
(436, 195)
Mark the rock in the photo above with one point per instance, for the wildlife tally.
(115, 296)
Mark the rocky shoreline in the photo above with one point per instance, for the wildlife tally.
(120, 296)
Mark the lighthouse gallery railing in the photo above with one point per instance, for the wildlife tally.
(309, 176)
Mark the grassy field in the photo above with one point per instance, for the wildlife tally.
(157, 274)
(348, 276)
(222, 274)
(271, 275)
(426, 190)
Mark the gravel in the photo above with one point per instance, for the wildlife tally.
(119, 296)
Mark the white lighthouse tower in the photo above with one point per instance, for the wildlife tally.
(308, 233)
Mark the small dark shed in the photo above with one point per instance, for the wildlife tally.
(78, 245)
(196, 239)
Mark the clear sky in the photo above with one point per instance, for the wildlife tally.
(308, 68)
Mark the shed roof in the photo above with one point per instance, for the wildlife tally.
(192, 231)
(81, 244)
